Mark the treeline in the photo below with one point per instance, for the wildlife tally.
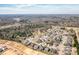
(21, 31)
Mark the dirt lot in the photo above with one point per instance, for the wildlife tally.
(14, 48)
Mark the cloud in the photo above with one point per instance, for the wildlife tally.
(38, 9)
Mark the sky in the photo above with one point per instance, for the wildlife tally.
(39, 8)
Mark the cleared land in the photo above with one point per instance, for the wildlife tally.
(14, 48)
